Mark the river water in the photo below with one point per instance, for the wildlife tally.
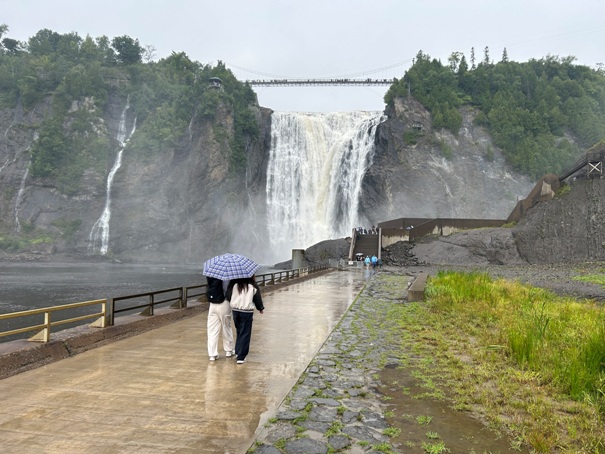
(29, 286)
(25, 286)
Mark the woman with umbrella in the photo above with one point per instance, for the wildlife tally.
(244, 295)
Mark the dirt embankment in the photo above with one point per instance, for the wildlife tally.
(555, 243)
(449, 253)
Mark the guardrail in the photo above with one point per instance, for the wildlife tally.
(148, 301)
(44, 334)
(178, 302)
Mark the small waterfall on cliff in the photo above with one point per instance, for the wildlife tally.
(98, 240)
(316, 165)
(20, 199)
(21, 193)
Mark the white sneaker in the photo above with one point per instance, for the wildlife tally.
(229, 354)
(213, 358)
(241, 361)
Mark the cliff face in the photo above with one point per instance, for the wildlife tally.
(181, 205)
(188, 203)
(422, 172)
(568, 228)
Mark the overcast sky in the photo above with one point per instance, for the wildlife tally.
(326, 38)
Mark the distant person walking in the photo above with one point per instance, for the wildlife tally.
(367, 261)
(219, 317)
(244, 296)
(374, 261)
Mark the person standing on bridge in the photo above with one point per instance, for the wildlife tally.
(244, 296)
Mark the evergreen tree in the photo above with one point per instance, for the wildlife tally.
(463, 66)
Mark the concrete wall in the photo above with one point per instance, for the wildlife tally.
(412, 228)
(392, 236)
(544, 189)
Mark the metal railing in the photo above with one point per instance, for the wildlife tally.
(147, 301)
(44, 334)
(178, 302)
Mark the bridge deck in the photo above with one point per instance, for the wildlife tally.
(318, 82)
(158, 393)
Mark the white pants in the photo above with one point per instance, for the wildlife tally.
(219, 316)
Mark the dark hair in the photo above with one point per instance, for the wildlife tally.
(242, 284)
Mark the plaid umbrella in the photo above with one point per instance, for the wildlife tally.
(230, 266)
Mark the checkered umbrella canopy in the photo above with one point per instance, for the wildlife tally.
(230, 266)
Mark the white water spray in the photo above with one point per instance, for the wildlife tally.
(316, 166)
(98, 240)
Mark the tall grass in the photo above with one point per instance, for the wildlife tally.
(561, 339)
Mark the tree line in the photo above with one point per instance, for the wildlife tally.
(541, 113)
(63, 70)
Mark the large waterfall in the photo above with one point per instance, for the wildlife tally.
(98, 240)
(316, 166)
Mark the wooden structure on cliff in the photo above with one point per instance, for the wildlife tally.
(593, 159)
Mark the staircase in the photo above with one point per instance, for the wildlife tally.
(367, 245)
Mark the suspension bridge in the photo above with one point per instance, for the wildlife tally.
(377, 77)
(316, 82)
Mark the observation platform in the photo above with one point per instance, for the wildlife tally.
(157, 392)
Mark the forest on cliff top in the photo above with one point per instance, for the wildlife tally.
(541, 113)
(69, 70)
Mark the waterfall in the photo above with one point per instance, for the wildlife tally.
(21, 193)
(98, 240)
(316, 165)
(20, 199)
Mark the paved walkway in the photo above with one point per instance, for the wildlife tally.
(158, 393)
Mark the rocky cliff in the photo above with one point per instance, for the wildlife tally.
(563, 230)
(188, 203)
(568, 228)
(419, 171)
(177, 206)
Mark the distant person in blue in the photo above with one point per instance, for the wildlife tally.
(244, 297)
(367, 261)
(374, 261)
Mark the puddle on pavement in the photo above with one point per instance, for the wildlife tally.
(458, 431)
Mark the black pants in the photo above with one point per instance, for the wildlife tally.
(243, 327)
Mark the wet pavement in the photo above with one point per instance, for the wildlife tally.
(336, 405)
(158, 393)
(360, 395)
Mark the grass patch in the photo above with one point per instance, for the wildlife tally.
(595, 278)
(391, 432)
(532, 363)
(424, 420)
(434, 448)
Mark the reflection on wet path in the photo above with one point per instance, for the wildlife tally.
(158, 393)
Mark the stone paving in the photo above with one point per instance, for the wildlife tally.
(335, 407)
